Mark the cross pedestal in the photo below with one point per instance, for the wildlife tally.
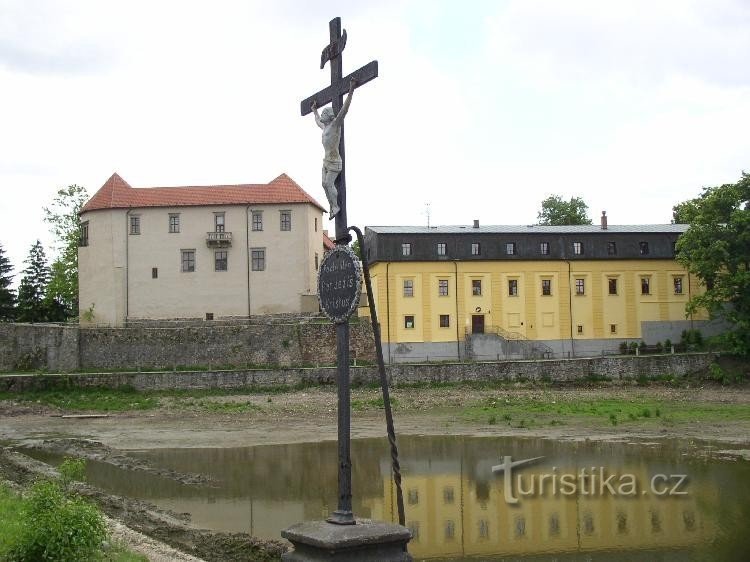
(365, 541)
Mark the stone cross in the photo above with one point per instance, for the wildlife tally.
(334, 94)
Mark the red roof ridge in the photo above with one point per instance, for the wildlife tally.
(116, 193)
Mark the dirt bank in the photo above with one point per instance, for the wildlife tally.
(310, 415)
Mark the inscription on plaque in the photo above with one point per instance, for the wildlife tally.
(339, 283)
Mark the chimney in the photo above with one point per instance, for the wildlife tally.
(476, 223)
(604, 220)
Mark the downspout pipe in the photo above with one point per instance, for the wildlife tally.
(570, 310)
(455, 291)
(127, 265)
(388, 306)
(247, 250)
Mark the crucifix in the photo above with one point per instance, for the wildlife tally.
(340, 85)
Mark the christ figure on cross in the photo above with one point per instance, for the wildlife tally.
(332, 163)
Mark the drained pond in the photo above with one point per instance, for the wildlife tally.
(475, 497)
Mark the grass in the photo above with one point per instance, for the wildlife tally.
(374, 403)
(123, 399)
(612, 411)
(10, 527)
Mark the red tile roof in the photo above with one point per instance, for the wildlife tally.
(328, 244)
(116, 193)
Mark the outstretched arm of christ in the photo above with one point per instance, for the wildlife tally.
(347, 103)
(314, 107)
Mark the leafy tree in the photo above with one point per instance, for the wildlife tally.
(716, 248)
(7, 294)
(32, 306)
(62, 217)
(356, 249)
(556, 211)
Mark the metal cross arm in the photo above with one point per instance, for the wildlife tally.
(327, 95)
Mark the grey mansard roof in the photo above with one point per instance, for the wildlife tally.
(532, 229)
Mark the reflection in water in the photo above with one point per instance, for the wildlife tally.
(456, 506)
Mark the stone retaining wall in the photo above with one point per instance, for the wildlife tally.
(562, 370)
(274, 343)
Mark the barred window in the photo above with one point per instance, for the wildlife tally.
(512, 287)
(476, 287)
(188, 261)
(408, 287)
(257, 221)
(220, 260)
(580, 287)
(678, 285)
(445, 321)
(135, 225)
(546, 287)
(442, 287)
(612, 282)
(174, 222)
(258, 259)
(286, 220)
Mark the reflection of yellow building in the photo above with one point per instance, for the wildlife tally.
(449, 518)
(499, 291)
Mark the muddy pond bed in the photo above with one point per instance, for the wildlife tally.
(469, 497)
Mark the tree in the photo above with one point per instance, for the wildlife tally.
(32, 305)
(7, 294)
(356, 249)
(62, 216)
(716, 248)
(556, 212)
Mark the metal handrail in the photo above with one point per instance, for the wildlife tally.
(219, 236)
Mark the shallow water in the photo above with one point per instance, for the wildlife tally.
(671, 500)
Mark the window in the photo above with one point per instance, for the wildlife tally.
(612, 282)
(257, 221)
(413, 496)
(409, 323)
(188, 261)
(611, 249)
(154, 273)
(579, 328)
(448, 495)
(316, 224)
(406, 249)
(643, 248)
(513, 287)
(578, 248)
(408, 287)
(317, 264)
(445, 321)
(510, 249)
(613, 328)
(286, 220)
(546, 287)
(220, 260)
(475, 249)
(209, 316)
(83, 234)
(258, 259)
(554, 524)
(441, 249)
(674, 248)
(580, 287)
(476, 287)
(450, 530)
(414, 530)
(218, 222)
(442, 287)
(174, 222)
(544, 248)
(135, 225)
(677, 285)
(484, 529)
(645, 285)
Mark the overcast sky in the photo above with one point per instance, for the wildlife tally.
(481, 109)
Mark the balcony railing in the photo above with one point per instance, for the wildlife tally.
(219, 239)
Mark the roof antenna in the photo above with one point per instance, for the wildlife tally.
(427, 212)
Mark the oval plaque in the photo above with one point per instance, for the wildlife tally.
(339, 283)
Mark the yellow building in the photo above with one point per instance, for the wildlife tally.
(494, 292)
